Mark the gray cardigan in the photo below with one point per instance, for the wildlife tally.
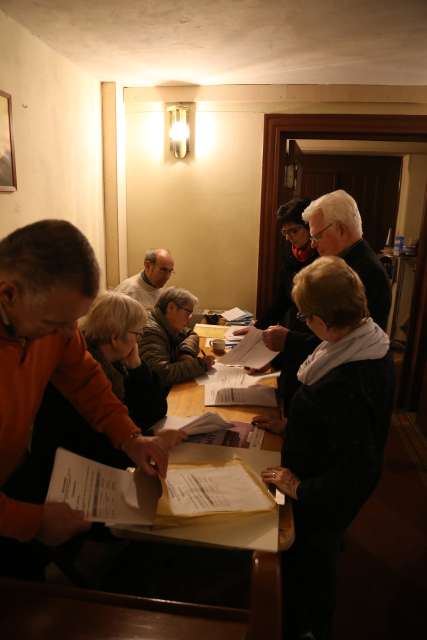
(160, 348)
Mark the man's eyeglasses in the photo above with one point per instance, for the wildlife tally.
(317, 236)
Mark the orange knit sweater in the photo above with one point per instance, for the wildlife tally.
(25, 370)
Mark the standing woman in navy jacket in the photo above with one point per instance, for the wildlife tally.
(335, 436)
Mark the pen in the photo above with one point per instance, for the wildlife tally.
(203, 353)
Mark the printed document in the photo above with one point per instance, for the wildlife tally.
(194, 490)
(206, 423)
(226, 376)
(257, 395)
(250, 352)
(99, 490)
(232, 376)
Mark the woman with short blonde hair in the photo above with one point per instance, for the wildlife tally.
(112, 329)
(113, 314)
(335, 436)
(330, 289)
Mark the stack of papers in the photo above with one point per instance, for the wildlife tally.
(241, 435)
(206, 489)
(256, 395)
(206, 423)
(238, 316)
(250, 352)
(232, 376)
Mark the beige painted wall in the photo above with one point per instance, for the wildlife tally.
(57, 134)
(206, 210)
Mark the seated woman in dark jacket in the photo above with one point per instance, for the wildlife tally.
(335, 436)
(111, 328)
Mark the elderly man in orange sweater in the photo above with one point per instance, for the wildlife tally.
(49, 277)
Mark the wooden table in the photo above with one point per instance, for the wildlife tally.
(187, 399)
(264, 615)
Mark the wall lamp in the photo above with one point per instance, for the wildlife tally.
(179, 129)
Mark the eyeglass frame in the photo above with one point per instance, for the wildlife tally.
(188, 311)
(318, 236)
(138, 334)
(292, 232)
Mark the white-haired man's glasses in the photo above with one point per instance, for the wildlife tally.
(317, 236)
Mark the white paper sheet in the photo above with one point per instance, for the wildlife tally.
(227, 376)
(229, 332)
(257, 395)
(204, 489)
(253, 531)
(234, 314)
(250, 352)
(96, 489)
(206, 423)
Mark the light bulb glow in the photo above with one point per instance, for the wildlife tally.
(179, 131)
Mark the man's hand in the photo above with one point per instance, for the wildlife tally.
(170, 438)
(274, 337)
(150, 453)
(275, 425)
(283, 479)
(132, 361)
(60, 523)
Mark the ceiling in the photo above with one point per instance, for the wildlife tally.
(153, 42)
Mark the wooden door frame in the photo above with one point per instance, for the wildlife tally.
(406, 128)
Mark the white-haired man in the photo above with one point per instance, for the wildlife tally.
(335, 230)
(146, 286)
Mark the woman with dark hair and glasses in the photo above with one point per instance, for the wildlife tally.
(112, 329)
(168, 346)
(297, 253)
(334, 439)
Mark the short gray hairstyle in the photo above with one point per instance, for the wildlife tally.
(337, 206)
(112, 314)
(181, 297)
(151, 255)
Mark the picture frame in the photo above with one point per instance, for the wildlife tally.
(7, 152)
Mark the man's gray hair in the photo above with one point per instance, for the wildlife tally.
(181, 297)
(152, 254)
(337, 206)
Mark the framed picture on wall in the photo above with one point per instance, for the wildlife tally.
(7, 155)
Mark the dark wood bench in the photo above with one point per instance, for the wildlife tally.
(32, 611)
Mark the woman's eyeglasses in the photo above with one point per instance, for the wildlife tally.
(189, 312)
(138, 334)
(291, 232)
